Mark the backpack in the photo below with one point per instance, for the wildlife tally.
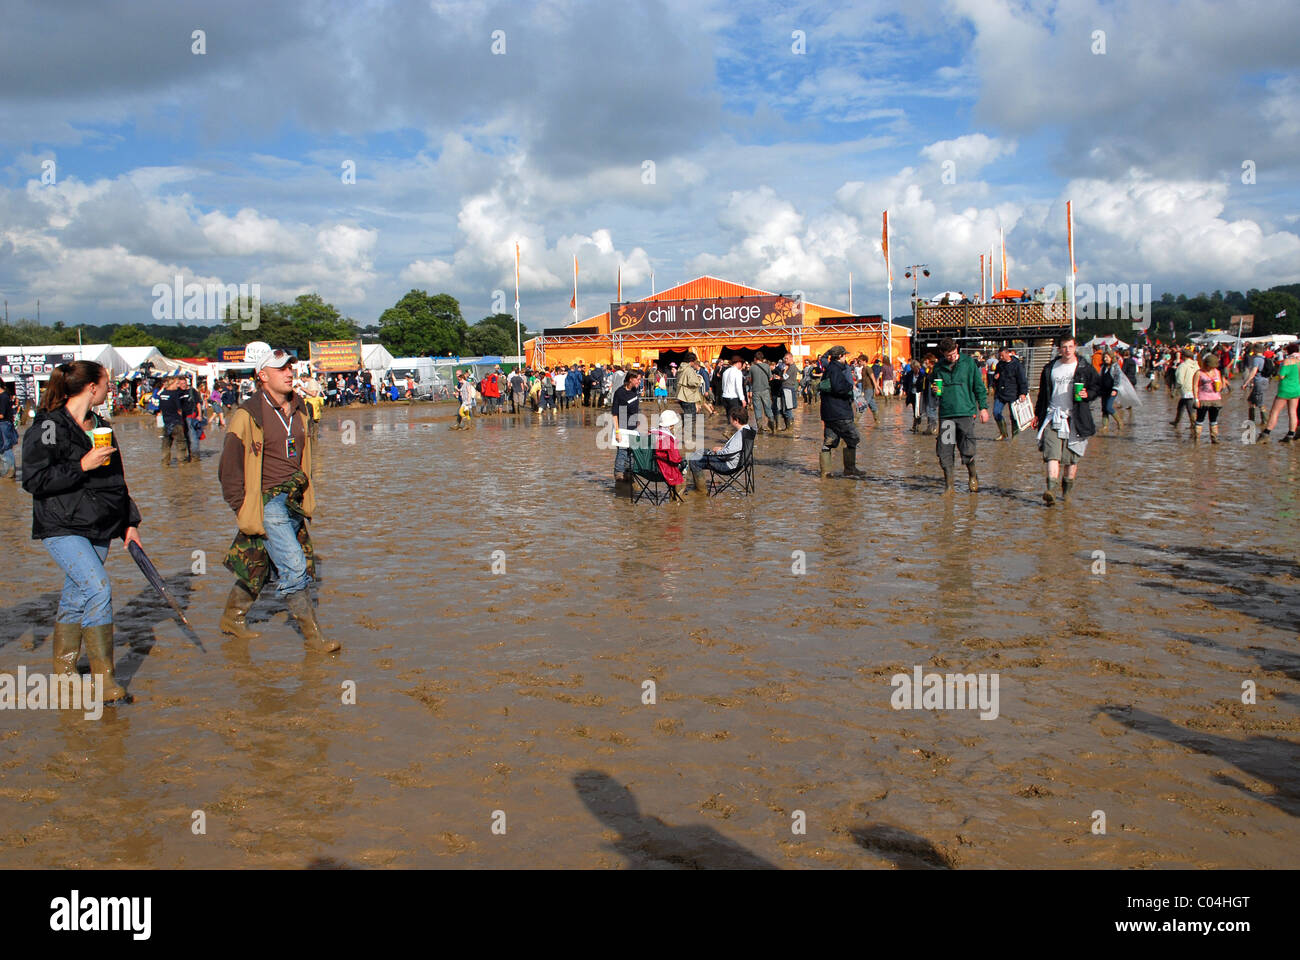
(1269, 370)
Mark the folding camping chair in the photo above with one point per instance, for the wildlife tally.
(647, 481)
(723, 480)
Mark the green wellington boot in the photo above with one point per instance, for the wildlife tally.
(1066, 483)
(67, 647)
(300, 608)
(825, 463)
(99, 649)
(1053, 490)
(974, 480)
(851, 463)
(234, 619)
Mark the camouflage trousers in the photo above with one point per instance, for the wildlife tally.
(248, 558)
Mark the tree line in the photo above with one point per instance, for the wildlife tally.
(419, 324)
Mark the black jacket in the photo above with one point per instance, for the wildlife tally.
(66, 500)
(1009, 380)
(1081, 412)
(837, 402)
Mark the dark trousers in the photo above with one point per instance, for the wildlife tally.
(960, 432)
(731, 403)
(833, 431)
(1188, 404)
(175, 433)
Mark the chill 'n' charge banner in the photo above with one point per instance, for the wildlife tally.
(714, 314)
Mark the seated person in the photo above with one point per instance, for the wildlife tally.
(668, 453)
(726, 457)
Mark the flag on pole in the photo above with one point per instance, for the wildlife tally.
(619, 296)
(884, 246)
(1279, 314)
(1069, 236)
(573, 301)
(1003, 239)
(983, 295)
(516, 276)
(850, 291)
(652, 283)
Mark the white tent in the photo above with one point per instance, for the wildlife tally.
(30, 367)
(1113, 342)
(135, 356)
(1272, 338)
(376, 358)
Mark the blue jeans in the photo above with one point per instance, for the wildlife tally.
(998, 405)
(87, 594)
(283, 546)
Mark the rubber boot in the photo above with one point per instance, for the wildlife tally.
(300, 608)
(825, 462)
(66, 645)
(1002, 430)
(1214, 433)
(851, 463)
(1290, 435)
(974, 480)
(1066, 484)
(771, 426)
(234, 619)
(947, 480)
(1053, 490)
(1263, 436)
(701, 481)
(1196, 433)
(99, 650)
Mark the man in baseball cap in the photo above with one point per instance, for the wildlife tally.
(265, 475)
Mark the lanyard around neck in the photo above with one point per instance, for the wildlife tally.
(287, 429)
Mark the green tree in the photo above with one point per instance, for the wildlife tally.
(486, 339)
(421, 324)
(1267, 304)
(288, 325)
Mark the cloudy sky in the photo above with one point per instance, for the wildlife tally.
(756, 142)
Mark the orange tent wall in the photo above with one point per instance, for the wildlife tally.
(707, 348)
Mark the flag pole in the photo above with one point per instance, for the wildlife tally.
(850, 292)
(519, 343)
(1069, 240)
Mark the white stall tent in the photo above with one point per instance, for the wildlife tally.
(26, 366)
(376, 358)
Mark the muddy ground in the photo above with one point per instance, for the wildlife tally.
(521, 692)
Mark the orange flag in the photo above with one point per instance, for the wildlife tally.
(884, 245)
(619, 296)
(573, 301)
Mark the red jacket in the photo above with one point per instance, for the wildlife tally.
(668, 457)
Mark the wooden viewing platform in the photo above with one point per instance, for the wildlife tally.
(992, 321)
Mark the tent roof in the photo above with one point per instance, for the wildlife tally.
(99, 352)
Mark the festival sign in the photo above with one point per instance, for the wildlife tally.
(26, 364)
(1246, 321)
(335, 356)
(230, 355)
(23, 368)
(715, 314)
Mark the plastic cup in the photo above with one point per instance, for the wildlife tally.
(938, 387)
(102, 436)
(1078, 391)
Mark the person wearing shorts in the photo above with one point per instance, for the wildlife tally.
(1063, 416)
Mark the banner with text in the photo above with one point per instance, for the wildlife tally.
(715, 314)
(335, 356)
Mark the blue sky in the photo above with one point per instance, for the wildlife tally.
(771, 166)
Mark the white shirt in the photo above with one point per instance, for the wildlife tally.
(733, 383)
(1063, 386)
(731, 449)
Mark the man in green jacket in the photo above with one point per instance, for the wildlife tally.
(960, 389)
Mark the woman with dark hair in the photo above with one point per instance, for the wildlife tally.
(80, 504)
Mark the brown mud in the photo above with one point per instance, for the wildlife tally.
(521, 691)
